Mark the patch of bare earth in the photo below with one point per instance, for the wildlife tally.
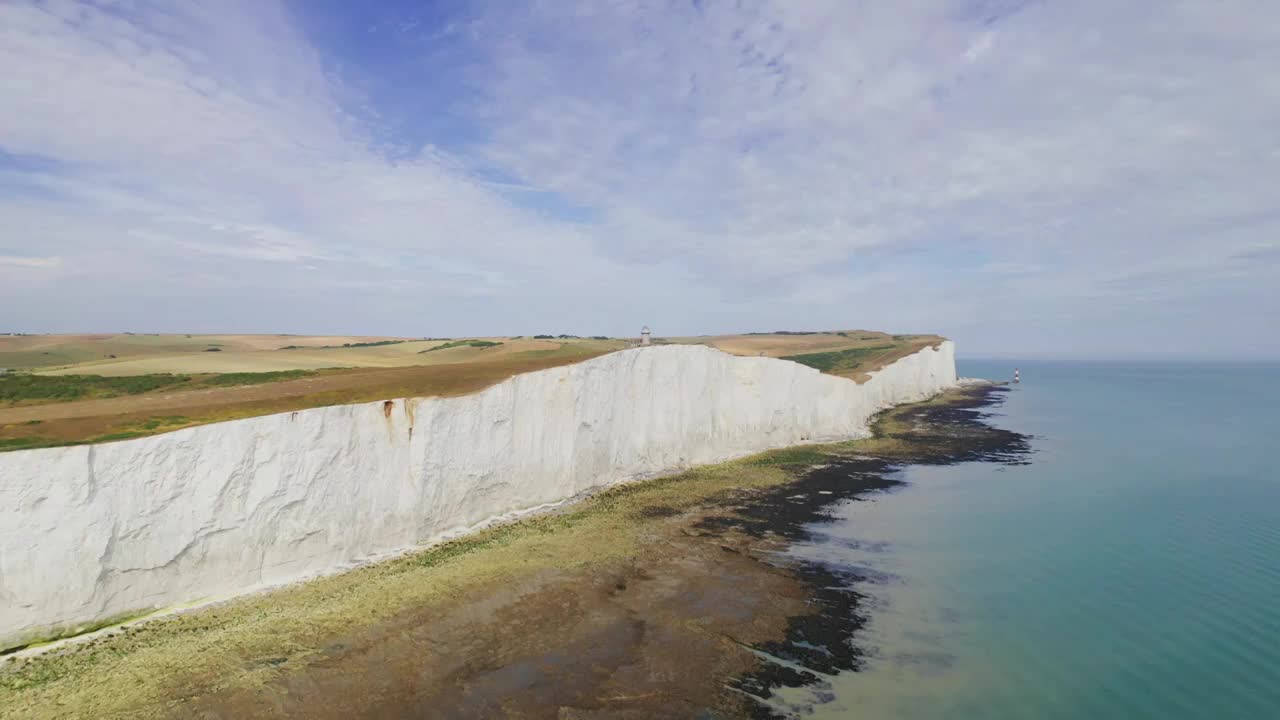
(81, 420)
(640, 638)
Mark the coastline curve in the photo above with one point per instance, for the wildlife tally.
(100, 531)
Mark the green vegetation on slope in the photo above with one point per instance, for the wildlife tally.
(838, 361)
(23, 389)
(23, 443)
(253, 378)
(56, 388)
(462, 343)
(126, 431)
(374, 343)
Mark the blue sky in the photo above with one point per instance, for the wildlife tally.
(1081, 179)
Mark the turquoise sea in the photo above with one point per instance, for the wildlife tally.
(1131, 570)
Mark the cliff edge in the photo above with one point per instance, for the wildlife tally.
(93, 532)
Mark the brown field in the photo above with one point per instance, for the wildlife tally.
(408, 368)
(50, 351)
(322, 355)
(774, 345)
(102, 419)
(782, 345)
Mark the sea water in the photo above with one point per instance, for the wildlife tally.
(1130, 570)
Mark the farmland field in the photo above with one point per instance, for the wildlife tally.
(95, 388)
(293, 354)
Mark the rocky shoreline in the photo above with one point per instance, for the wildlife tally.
(825, 642)
(628, 658)
(666, 598)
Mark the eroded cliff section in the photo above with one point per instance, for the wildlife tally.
(99, 531)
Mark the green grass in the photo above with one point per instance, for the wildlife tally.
(799, 455)
(163, 421)
(565, 350)
(463, 343)
(74, 630)
(254, 378)
(38, 389)
(126, 435)
(24, 443)
(46, 388)
(375, 343)
(838, 361)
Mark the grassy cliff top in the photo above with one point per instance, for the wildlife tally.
(97, 388)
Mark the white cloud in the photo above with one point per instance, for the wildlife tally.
(179, 133)
(943, 166)
(799, 137)
(780, 143)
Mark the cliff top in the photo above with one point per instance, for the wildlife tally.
(96, 388)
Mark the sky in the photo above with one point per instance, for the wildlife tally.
(1078, 179)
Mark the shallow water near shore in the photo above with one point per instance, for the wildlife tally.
(1130, 570)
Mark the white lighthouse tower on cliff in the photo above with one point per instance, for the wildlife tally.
(644, 336)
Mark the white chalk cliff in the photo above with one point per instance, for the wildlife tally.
(97, 531)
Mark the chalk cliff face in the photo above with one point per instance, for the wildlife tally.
(96, 531)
